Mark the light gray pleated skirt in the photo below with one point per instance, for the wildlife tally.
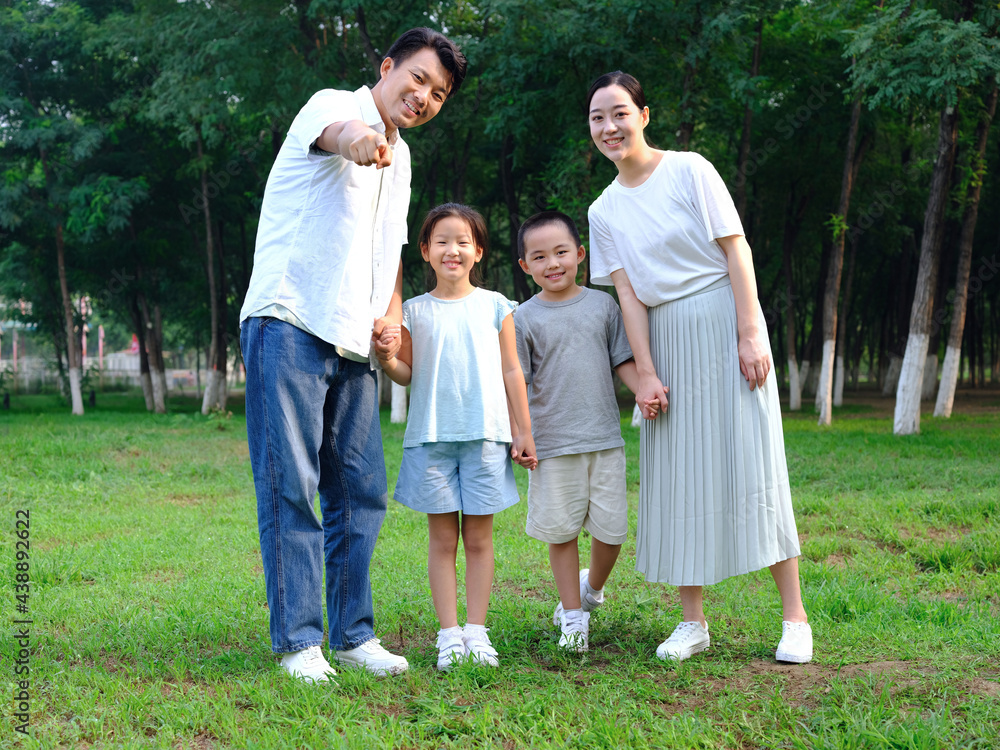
(714, 499)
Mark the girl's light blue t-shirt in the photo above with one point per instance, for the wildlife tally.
(457, 391)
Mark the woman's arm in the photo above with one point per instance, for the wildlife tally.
(649, 390)
(399, 368)
(755, 364)
(522, 443)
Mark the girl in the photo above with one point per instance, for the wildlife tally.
(714, 498)
(459, 352)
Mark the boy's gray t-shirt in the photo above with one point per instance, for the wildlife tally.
(568, 351)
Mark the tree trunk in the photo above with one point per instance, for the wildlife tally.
(740, 188)
(398, 413)
(852, 159)
(145, 381)
(686, 128)
(838, 382)
(513, 217)
(793, 221)
(72, 351)
(906, 420)
(953, 352)
(156, 369)
(215, 387)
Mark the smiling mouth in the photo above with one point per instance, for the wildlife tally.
(416, 112)
(613, 141)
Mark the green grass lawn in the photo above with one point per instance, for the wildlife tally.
(150, 623)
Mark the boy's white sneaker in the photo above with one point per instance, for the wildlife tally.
(479, 646)
(796, 643)
(575, 627)
(308, 665)
(372, 656)
(688, 639)
(588, 602)
(451, 648)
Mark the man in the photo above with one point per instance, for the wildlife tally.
(327, 264)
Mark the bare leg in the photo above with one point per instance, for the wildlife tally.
(477, 536)
(691, 603)
(565, 561)
(786, 576)
(602, 560)
(443, 532)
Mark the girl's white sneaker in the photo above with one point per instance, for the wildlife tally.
(451, 648)
(479, 646)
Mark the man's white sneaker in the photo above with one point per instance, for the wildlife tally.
(688, 639)
(796, 643)
(479, 646)
(371, 656)
(308, 665)
(451, 648)
(575, 627)
(588, 602)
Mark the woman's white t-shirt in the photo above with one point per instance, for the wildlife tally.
(457, 391)
(663, 232)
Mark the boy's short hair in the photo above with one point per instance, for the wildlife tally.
(542, 219)
(414, 40)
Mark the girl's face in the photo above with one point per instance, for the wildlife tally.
(452, 250)
(616, 123)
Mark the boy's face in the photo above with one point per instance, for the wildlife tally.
(551, 259)
(412, 91)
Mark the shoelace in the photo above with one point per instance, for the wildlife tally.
(682, 631)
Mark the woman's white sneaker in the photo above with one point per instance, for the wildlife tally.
(796, 643)
(688, 639)
(575, 627)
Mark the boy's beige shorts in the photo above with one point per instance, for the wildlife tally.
(579, 491)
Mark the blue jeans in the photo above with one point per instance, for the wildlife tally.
(313, 425)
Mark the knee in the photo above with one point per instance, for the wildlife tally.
(478, 546)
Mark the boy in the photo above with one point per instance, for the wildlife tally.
(569, 339)
(327, 264)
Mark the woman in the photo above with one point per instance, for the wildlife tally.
(714, 497)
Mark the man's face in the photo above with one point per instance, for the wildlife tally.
(412, 91)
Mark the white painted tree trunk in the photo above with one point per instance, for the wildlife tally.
(906, 420)
(398, 413)
(76, 395)
(892, 375)
(949, 381)
(929, 385)
(824, 388)
(147, 389)
(794, 386)
(636, 416)
(804, 377)
(159, 380)
(215, 392)
(838, 380)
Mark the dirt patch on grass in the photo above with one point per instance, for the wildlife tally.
(182, 500)
(203, 741)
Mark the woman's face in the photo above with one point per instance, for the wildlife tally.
(616, 123)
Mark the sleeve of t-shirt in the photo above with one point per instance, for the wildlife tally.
(323, 109)
(521, 328)
(603, 255)
(618, 348)
(407, 307)
(502, 307)
(713, 201)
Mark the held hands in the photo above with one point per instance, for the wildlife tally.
(522, 451)
(651, 397)
(365, 146)
(755, 364)
(386, 339)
